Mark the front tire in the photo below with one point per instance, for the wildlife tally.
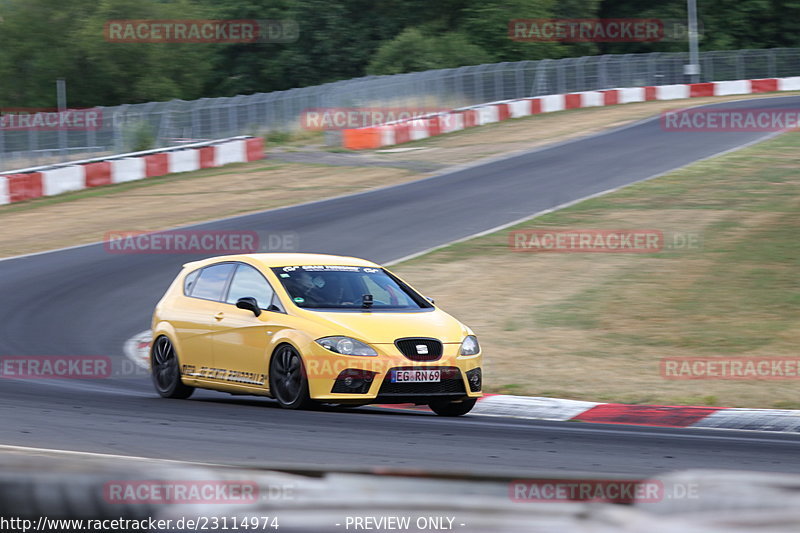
(448, 408)
(287, 379)
(166, 371)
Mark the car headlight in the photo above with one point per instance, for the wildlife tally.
(470, 346)
(346, 346)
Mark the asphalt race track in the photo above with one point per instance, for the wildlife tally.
(85, 301)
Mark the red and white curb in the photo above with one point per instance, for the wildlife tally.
(458, 119)
(137, 349)
(26, 184)
(673, 416)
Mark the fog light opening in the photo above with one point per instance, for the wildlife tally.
(474, 379)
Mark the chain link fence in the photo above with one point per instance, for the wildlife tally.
(159, 124)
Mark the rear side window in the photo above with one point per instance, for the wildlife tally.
(248, 282)
(188, 282)
(211, 282)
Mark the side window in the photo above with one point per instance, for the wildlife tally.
(247, 281)
(210, 285)
(188, 282)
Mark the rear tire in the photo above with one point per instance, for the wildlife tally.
(287, 379)
(448, 408)
(166, 372)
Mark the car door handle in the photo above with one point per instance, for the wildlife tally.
(219, 316)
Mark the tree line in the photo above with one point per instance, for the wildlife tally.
(42, 40)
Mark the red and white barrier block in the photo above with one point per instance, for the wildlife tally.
(458, 119)
(127, 169)
(18, 186)
(4, 199)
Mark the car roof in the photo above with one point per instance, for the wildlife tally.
(269, 260)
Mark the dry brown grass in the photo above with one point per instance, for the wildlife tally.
(174, 201)
(595, 326)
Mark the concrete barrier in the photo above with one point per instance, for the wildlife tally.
(128, 169)
(353, 139)
(183, 161)
(64, 179)
(26, 184)
(4, 197)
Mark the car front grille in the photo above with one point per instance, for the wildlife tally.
(420, 349)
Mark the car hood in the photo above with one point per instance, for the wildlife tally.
(379, 327)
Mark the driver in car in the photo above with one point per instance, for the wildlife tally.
(321, 292)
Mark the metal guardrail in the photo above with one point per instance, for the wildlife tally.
(177, 121)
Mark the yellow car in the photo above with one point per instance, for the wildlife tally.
(308, 329)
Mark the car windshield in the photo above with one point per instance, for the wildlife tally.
(347, 287)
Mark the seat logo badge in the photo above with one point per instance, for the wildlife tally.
(422, 349)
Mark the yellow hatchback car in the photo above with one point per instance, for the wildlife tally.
(307, 329)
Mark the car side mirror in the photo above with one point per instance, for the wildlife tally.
(249, 303)
(431, 300)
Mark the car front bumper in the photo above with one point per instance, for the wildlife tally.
(357, 379)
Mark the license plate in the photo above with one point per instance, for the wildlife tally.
(416, 376)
